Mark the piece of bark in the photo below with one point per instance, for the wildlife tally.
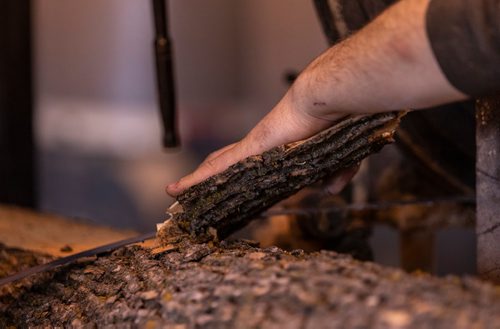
(236, 285)
(223, 203)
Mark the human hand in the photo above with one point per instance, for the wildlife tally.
(335, 184)
(284, 124)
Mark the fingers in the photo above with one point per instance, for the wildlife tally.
(213, 164)
(284, 124)
(337, 183)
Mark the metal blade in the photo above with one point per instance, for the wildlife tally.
(70, 259)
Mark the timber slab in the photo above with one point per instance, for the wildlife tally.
(226, 202)
(238, 285)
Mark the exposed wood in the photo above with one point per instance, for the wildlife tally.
(17, 149)
(236, 285)
(226, 202)
(488, 188)
(52, 235)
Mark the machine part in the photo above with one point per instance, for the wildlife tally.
(165, 74)
(72, 258)
(488, 188)
(17, 142)
(367, 208)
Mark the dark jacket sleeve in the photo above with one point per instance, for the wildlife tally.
(465, 38)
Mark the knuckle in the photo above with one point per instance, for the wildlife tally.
(211, 164)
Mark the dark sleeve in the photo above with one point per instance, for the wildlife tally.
(465, 38)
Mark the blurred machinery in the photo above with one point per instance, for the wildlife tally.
(427, 186)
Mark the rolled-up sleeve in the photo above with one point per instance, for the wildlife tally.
(465, 38)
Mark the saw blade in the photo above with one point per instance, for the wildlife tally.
(72, 258)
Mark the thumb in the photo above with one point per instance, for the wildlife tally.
(336, 183)
(214, 164)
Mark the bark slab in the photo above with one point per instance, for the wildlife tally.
(237, 285)
(222, 204)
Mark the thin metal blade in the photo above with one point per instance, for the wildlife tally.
(70, 259)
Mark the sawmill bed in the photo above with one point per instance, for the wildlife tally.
(238, 285)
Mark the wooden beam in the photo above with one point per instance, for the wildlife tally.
(488, 188)
(53, 235)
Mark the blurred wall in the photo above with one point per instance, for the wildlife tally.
(276, 37)
(97, 118)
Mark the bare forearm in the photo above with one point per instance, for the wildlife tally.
(388, 65)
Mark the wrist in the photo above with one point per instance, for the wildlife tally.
(310, 105)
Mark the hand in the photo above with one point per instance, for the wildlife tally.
(284, 124)
(335, 184)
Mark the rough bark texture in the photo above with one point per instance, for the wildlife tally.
(237, 285)
(488, 188)
(226, 202)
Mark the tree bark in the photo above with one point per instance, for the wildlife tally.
(226, 202)
(237, 285)
(488, 188)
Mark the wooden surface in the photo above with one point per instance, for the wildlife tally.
(49, 234)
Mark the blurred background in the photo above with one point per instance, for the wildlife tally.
(97, 116)
(98, 129)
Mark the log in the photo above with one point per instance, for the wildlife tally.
(238, 285)
(222, 204)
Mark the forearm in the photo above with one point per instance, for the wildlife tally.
(388, 65)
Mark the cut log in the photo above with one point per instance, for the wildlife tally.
(236, 285)
(53, 235)
(226, 202)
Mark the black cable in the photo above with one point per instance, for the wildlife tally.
(165, 74)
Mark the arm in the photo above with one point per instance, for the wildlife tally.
(386, 66)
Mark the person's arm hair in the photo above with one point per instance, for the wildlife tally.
(388, 65)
